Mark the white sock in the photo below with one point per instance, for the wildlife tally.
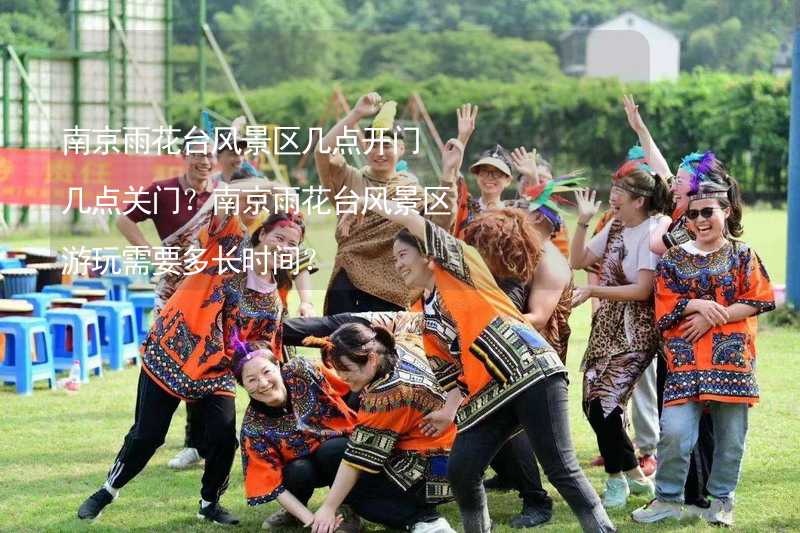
(111, 490)
(204, 504)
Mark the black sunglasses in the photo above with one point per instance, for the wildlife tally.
(706, 212)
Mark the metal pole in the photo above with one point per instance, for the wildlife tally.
(6, 119)
(793, 237)
(26, 124)
(226, 69)
(168, 62)
(6, 99)
(76, 82)
(124, 61)
(201, 56)
(137, 69)
(112, 69)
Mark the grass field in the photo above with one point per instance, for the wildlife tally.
(55, 448)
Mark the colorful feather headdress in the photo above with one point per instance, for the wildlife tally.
(545, 199)
(635, 159)
(698, 165)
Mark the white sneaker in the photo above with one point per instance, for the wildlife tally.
(440, 525)
(186, 458)
(720, 513)
(656, 511)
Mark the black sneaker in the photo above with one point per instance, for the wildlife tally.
(531, 517)
(94, 504)
(217, 514)
(497, 484)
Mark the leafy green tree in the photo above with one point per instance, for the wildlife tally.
(32, 23)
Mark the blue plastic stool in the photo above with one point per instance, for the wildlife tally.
(119, 283)
(85, 340)
(63, 291)
(118, 332)
(143, 304)
(39, 300)
(24, 337)
(94, 283)
(10, 263)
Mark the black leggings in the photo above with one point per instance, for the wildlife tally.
(612, 439)
(154, 410)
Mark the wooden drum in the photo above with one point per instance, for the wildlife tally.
(18, 281)
(47, 274)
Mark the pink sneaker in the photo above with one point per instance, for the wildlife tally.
(597, 461)
(648, 465)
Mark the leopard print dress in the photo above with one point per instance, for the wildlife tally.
(623, 340)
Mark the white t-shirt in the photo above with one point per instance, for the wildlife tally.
(637, 255)
(694, 250)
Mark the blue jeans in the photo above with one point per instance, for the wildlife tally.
(679, 431)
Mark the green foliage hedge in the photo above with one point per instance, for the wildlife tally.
(573, 122)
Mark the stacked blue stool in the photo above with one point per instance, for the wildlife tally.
(118, 332)
(25, 336)
(143, 303)
(39, 300)
(85, 340)
(94, 283)
(64, 291)
(119, 286)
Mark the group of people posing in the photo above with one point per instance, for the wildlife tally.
(443, 341)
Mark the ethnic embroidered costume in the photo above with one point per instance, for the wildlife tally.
(315, 412)
(189, 348)
(718, 366)
(387, 436)
(475, 338)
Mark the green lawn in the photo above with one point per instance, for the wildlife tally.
(55, 448)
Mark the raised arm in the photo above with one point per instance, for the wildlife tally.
(367, 105)
(651, 152)
(526, 165)
(452, 156)
(579, 254)
(467, 115)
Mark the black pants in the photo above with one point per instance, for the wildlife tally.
(702, 455)
(379, 499)
(195, 429)
(516, 464)
(302, 476)
(344, 297)
(375, 497)
(542, 410)
(612, 439)
(154, 410)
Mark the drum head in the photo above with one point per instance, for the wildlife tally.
(15, 306)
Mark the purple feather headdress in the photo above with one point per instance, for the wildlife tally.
(244, 353)
(699, 171)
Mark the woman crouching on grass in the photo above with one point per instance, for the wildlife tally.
(708, 291)
(498, 372)
(293, 434)
(393, 469)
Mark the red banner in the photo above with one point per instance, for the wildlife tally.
(44, 177)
